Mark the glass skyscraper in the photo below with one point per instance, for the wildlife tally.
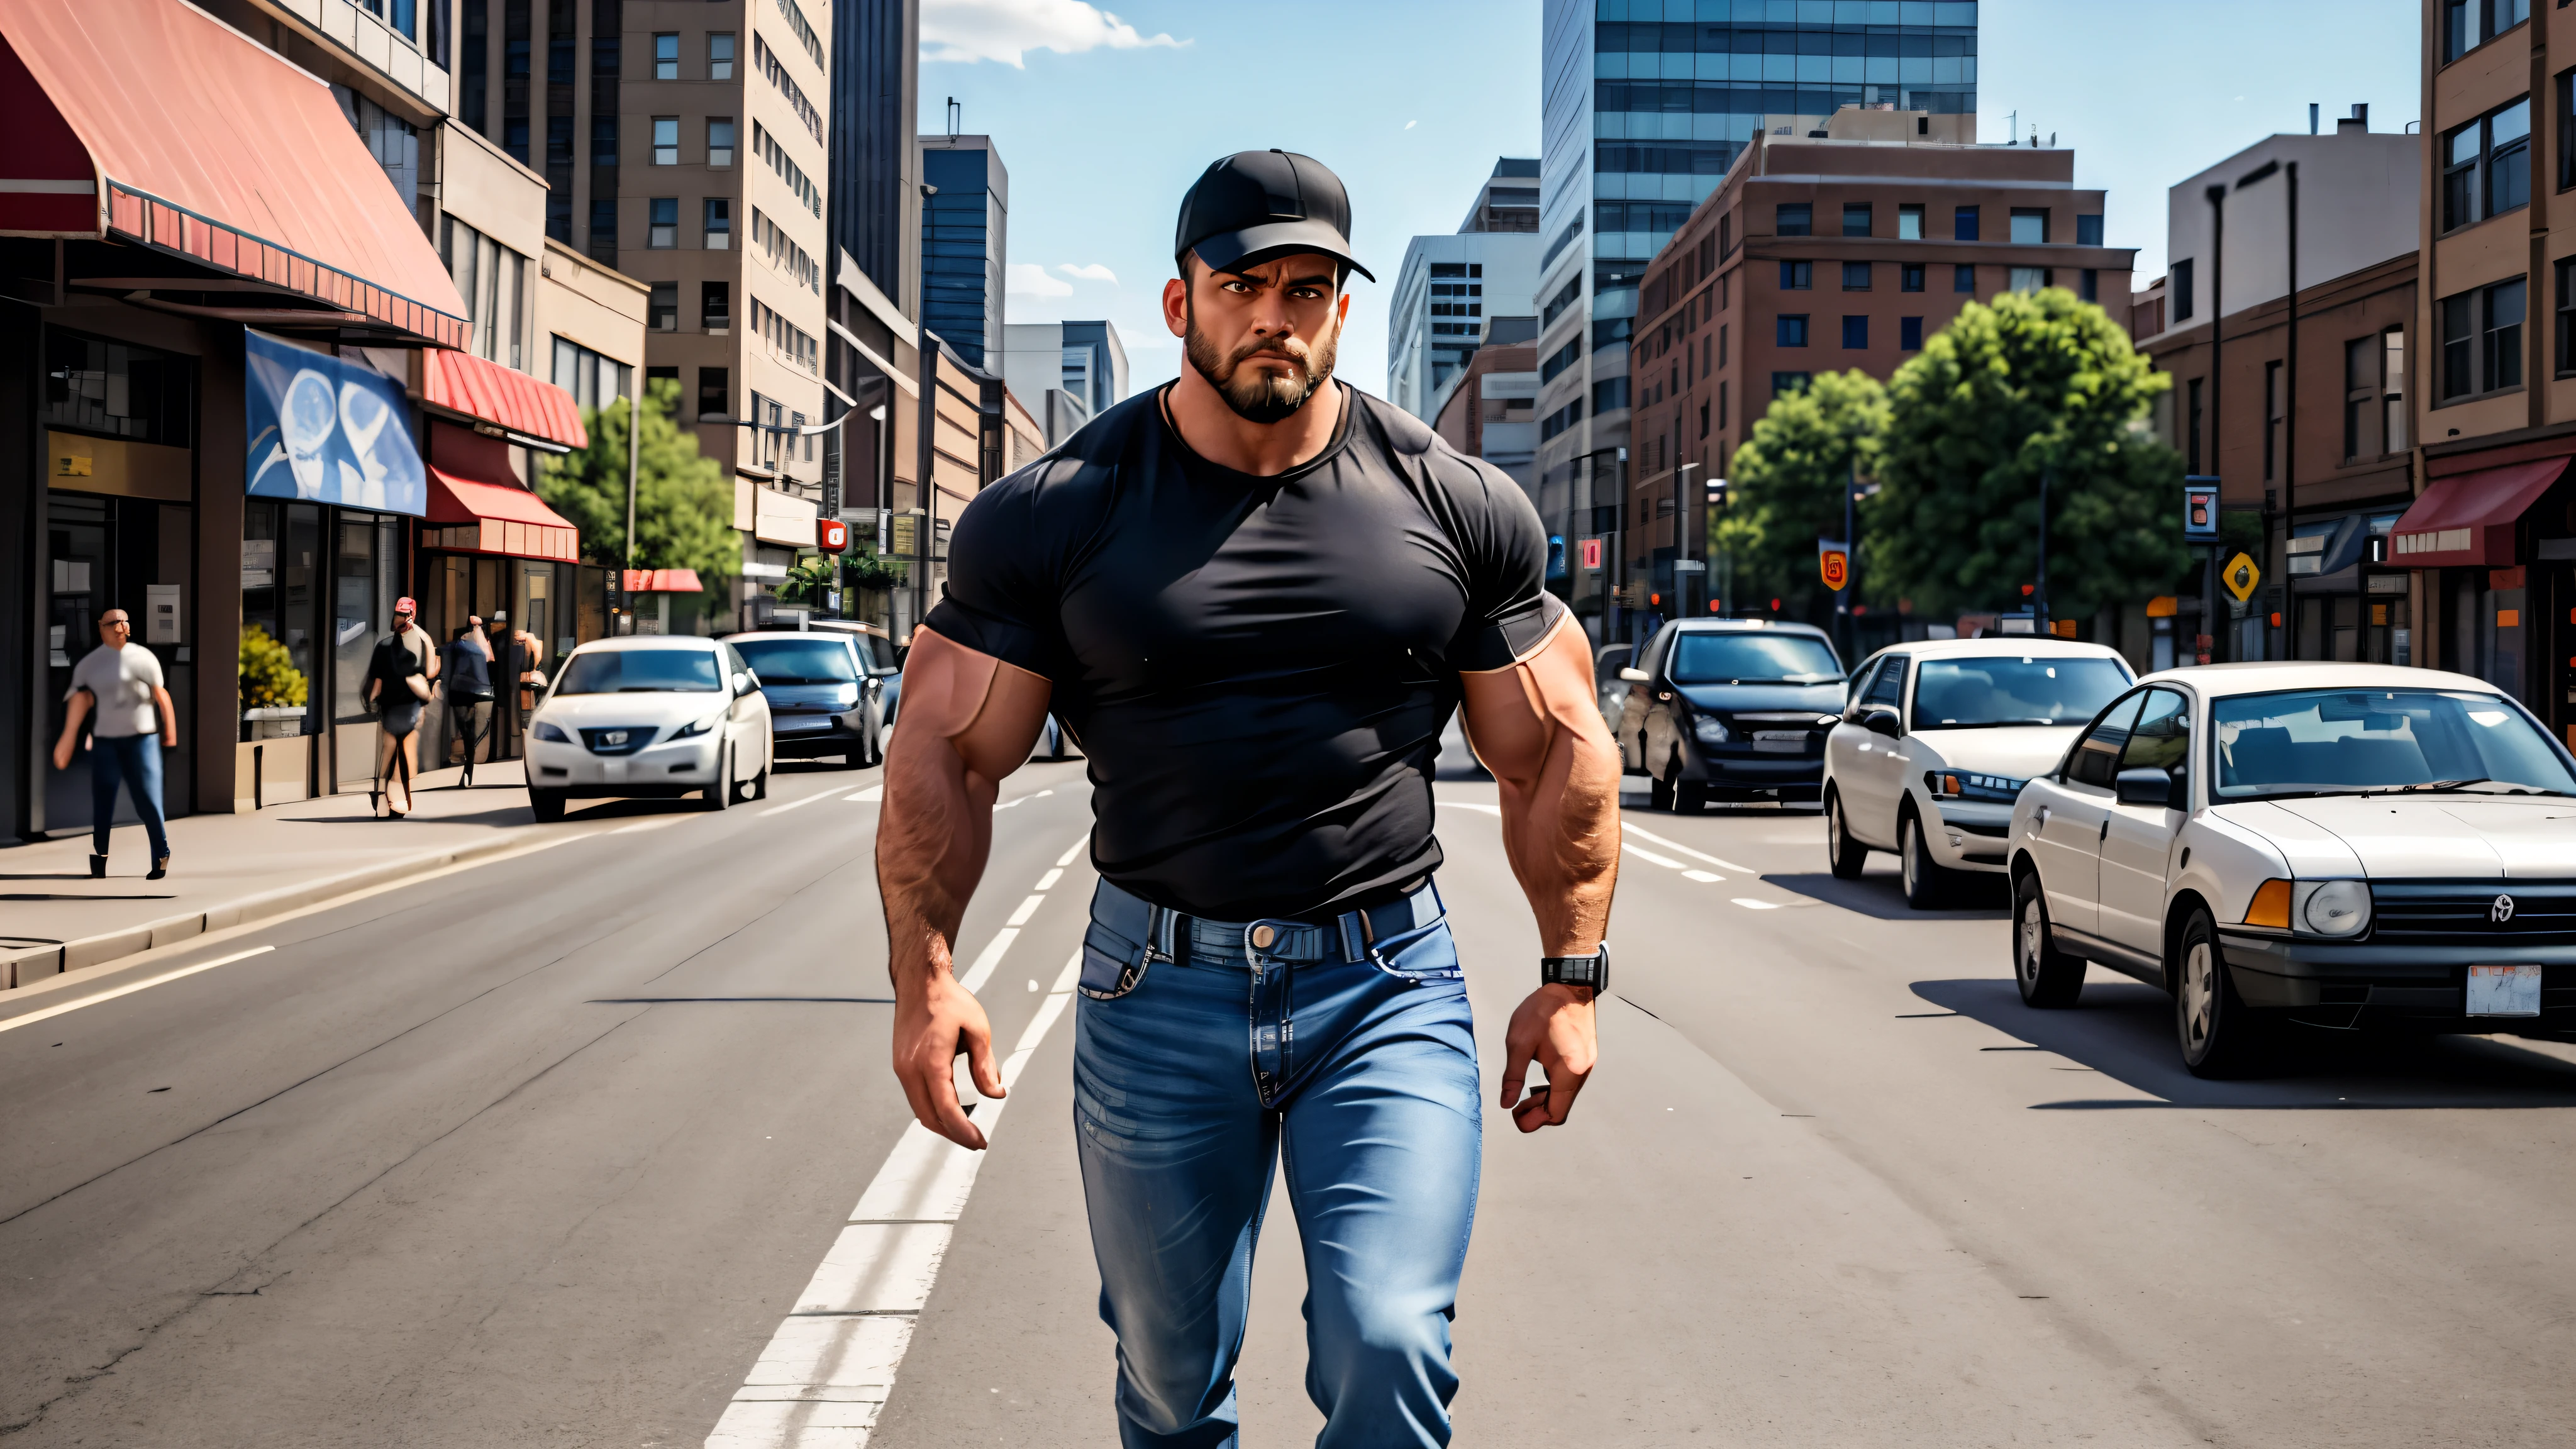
(963, 244)
(1645, 104)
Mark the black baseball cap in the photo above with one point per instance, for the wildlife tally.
(1256, 205)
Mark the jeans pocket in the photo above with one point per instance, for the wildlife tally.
(1424, 955)
(1112, 965)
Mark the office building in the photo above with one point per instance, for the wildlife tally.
(1066, 372)
(1841, 246)
(965, 243)
(1642, 113)
(2310, 432)
(1486, 412)
(1448, 285)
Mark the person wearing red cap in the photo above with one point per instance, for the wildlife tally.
(399, 676)
(1256, 595)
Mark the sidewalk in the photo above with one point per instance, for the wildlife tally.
(226, 869)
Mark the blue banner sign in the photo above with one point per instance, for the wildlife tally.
(327, 431)
(2199, 509)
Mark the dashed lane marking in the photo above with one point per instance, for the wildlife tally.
(1648, 856)
(1750, 904)
(1631, 828)
(800, 804)
(1703, 877)
(873, 792)
(1027, 909)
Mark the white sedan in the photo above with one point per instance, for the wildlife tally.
(1936, 742)
(2340, 845)
(652, 716)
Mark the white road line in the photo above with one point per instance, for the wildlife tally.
(1047, 881)
(827, 1370)
(873, 792)
(1027, 909)
(1631, 829)
(1648, 856)
(1750, 904)
(1703, 877)
(662, 823)
(982, 971)
(808, 800)
(1078, 847)
(131, 987)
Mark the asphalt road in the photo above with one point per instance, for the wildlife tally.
(567, 1149)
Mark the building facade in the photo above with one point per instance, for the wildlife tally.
(1487, 412)
(965, 243)
(1644, 108)
(1448, 285)
(1840, 248)
(1066, 372)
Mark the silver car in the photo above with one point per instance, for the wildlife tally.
(651, 716)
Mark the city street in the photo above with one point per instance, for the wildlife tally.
(550, 1151)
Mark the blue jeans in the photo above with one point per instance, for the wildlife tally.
(1193, 1081)
(135, 759)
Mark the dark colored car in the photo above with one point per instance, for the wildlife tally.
(1731, 709)
(825, 696)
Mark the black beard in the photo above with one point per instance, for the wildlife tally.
(1256, 396)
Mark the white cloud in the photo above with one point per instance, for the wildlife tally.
(1006, 30)
(1409, 125)
(1093, 272)
(1028, 279)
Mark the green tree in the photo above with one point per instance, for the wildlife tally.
(1786, 487)
(2028, 383)
(683, 501)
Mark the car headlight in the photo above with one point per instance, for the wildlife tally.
(701, 727)
(1961, 785)
(1709, 730)
(2332, 907)
(547, 730)
(846, 695)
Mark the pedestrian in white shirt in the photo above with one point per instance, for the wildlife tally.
(118, 689)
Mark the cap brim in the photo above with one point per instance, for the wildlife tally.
(1257, 244)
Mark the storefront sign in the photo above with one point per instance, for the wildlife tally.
(328, 431)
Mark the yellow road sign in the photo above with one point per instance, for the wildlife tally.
(2240, 576)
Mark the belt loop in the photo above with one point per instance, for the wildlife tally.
(1354, 928)
(1158, 933)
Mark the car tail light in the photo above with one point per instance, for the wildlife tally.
(2271, 906)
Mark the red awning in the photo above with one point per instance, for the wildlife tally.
(472, 517)
(2466, 521)
(156, 123)
(502, 396)
(663, 581)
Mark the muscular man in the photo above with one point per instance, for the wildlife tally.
(1256, 595)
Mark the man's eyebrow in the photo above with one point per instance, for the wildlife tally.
(1320, 279)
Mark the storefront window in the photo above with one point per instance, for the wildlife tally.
(281, 622)
(116, 389)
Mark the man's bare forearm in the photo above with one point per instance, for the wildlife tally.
(934, 832)
(1538, 729)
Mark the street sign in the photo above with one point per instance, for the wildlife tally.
(2199, 509)
(1833, 562)
(1689, 566)
(832, 535)
(1592, 553)
(2240, 576)
(907, 535)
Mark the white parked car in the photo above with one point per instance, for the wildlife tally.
(652, 716)
(2339, 844)
(1936, 742)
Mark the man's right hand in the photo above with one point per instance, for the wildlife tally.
(933, 1022)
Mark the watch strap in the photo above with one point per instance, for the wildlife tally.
(1592, 970)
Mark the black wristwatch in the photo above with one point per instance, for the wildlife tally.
(1592, 970)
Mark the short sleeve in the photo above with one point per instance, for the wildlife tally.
(146, 666)
(1003, 596)
(1510, 613)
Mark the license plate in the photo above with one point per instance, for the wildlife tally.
(1780, 742)
(2504, 991)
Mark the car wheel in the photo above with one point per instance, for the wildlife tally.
(546, 805)
(1690, 797)
(2048, 977)
(758, 788)
(719, 792)
(1929, 884)
(1843, 853)
(2219, 1035)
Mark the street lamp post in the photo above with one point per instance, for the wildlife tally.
(2039, 601)
(1681, 538)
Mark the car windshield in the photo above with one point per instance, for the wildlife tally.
(640, 671)
(2360, 742)
(798, 661)
(1707, 656)
(1986, 692)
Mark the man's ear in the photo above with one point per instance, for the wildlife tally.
(1342, 311)
(1176, 301)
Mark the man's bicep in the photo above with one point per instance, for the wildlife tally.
(989, 710)
(1514, 713)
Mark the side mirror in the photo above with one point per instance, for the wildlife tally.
(743, 683)
(2148, 786)
(1636, 676)
(1880, 720)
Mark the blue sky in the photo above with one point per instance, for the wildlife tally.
(1411, 101)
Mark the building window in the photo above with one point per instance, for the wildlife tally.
(2089, 285)
(1703, 420)
(2026, 279)
(662, 226)
(2271, 420)
(2392, 385)
(1855, 276)
(1784, 383)
(2566, 130)
(719, 141)
(2361, 393)
(2029, 226)
(715, 307)
(1721, 354)
(1795, 218)
(1856, 216)
(603, 227)
(1610, 396)
(1963, 278)
(1855, 333)
(1721, 403)
(1563, 358)
(666, 140)
(2088, 231)
(666, 56)
(594, 381)
(603, 140)
(720, 55)
(1909, 277)
(2191, 427)
(1963, 224)
(715, 394)
(2482, 340)
(1909, 223)
(662, 312)
(2468, 24)
(2486, 166)
(1791, 329)
(1797, 276)
(2178, 290)
(719, 223)
(1909, 334)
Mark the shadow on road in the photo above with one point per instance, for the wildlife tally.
(1882, 895)
(2124, 1030)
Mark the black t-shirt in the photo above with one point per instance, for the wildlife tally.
(1258, 668)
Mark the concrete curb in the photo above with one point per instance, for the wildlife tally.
(26, 967)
